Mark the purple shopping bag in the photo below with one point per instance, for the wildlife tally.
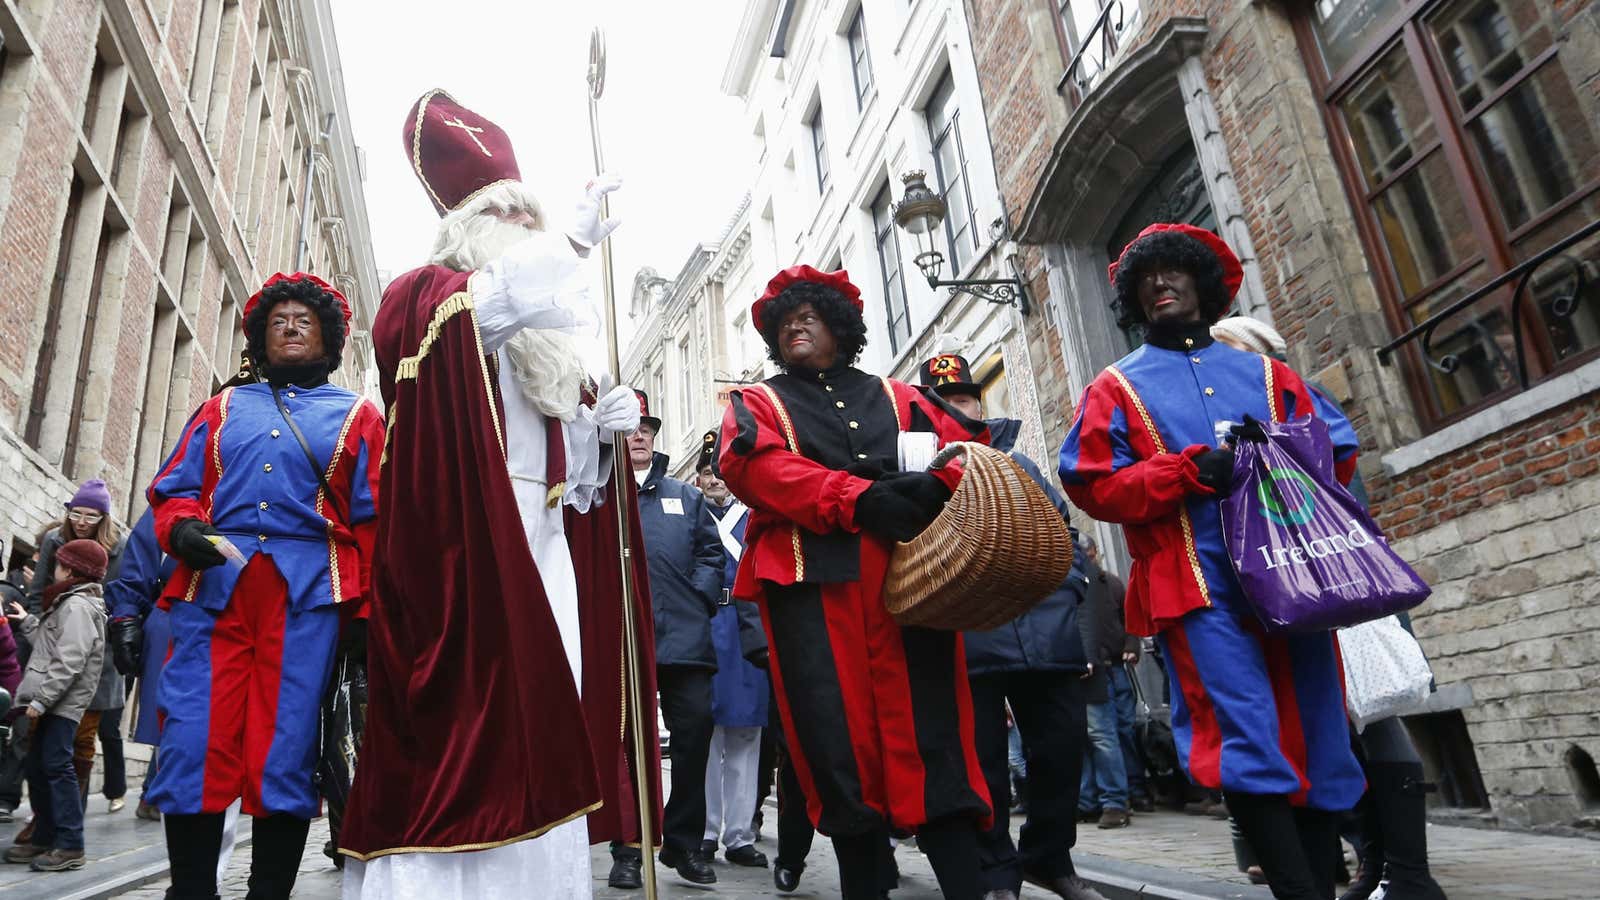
(1308, 555)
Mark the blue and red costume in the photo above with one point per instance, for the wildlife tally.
(252, 649)
(1251, 712)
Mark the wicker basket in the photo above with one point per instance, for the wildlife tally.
(998, 548)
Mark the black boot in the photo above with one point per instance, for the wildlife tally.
(1268, 824)
(277, 844)
(194, 843)
(1398, 793)
(1319, 839)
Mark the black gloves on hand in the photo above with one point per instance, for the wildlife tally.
(900, 505)
(1251, 430)
(1216, 469)
(126, 636)
(190, 544)
(921, 488)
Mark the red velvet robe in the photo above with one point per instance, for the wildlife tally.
(475, 737)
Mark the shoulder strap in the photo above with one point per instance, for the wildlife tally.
(304, 444)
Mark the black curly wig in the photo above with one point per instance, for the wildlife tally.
(329, 312)
(839, 314)
(1169, 248)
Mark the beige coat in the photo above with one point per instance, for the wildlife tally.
(69, 643)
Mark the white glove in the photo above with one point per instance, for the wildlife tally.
(618, 410)
(588, 229)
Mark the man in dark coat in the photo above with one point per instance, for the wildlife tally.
(686, 569)
(1036, 664)
(1113, 781)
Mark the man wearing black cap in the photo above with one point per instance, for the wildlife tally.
(686, 566)
(1036, 664)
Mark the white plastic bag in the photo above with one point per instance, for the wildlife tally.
(1385, 673)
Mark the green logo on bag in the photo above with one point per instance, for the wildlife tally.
(1286, 497)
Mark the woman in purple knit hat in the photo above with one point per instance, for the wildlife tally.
(89, 518)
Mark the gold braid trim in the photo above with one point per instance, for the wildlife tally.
(456, 303)
(794, 447)
(333, 465)
(215, 440)
(1273, 401)
(894, 404)
(485, 845)
(1183, 510)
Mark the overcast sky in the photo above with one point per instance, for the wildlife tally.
(668, 130)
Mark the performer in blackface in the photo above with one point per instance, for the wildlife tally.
(478, 768)
(1259, 716)
(879, 717)
(286, 470)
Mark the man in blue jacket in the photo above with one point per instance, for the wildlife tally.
(686, 567)
(1036, 665)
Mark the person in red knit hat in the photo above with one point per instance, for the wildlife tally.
(69, 639)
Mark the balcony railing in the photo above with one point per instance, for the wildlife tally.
(1094, 52)
(1573, 287)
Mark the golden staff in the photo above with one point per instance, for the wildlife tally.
(633, 694)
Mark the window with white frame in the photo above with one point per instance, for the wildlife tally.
(686, 381)
(894, 282)
(819, 149)
(950, 171)
(860, 61)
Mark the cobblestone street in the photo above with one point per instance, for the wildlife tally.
(1160, 855)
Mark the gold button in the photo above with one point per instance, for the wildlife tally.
(262, 504)
(855, 424)
(267, 467)
(1210, 391)
(861, 456)
(262, 538)
(291, 394)
(274, 432)
(1187, 342)
(839, 403)
(827, 387)
(1195, 360)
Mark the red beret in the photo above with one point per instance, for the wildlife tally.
(1232, 271)
(255, 298)
(456, 153)
(839, 281)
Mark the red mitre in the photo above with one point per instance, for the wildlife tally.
(1232, 271)
(456, 153)
(839, 281)
(255, 298)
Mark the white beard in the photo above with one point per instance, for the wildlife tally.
(545, 363)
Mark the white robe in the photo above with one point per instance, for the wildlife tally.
(557, 862)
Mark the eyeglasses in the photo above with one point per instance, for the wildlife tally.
(87, 518)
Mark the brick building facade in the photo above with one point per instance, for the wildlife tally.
(1374, 163)
(154, 170)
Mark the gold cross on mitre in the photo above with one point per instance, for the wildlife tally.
(472, 132)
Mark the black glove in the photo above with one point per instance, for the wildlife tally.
(1251, 430)
(921, 488)
(126, 636)
(1216, 469)
(884, 511)
(190, 544)
(353, 640)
